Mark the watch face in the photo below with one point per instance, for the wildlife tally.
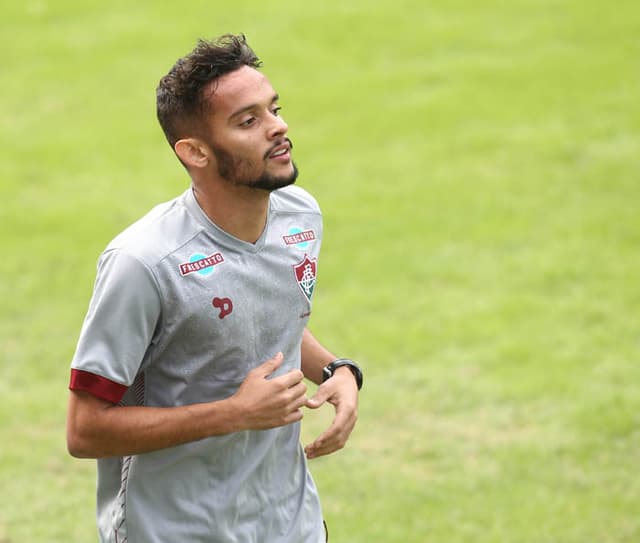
(327, 371)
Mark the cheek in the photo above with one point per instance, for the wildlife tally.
(246, 167)
(238, 159)
(249, 158)
(250, 151)
(244, 149)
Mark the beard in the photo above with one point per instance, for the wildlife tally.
(241, 172)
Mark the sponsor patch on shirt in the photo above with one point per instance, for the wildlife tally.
(201, 264)
(298, 237)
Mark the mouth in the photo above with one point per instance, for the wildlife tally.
(281, 152)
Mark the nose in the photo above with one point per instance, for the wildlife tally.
(277, 128)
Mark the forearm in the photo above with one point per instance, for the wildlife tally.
(314, 357)
(98, 429)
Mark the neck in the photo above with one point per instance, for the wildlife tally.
(239, 211)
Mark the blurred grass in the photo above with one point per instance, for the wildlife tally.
(476, 163)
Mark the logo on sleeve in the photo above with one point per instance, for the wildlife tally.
(201, 264)
(298, 237)
(305, 272)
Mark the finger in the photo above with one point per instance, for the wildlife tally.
(299, 389)
(335, 437)
(319, 398)
(269, 366)
(328, 442)
(294, 416)
(325, 444)
(296, 401)
(297, 395)
(289, 379)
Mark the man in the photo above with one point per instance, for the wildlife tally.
(187, 382)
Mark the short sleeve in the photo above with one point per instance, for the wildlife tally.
(123, 314)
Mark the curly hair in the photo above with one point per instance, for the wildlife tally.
(180, 97)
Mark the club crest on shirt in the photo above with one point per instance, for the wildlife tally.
(305, 272)
(201, 264)
(299, 238)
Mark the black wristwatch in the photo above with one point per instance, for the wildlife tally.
(329, 370)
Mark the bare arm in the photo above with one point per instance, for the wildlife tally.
(314, 357)
(96, 428)
(340, 390)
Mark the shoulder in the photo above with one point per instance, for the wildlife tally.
(165, 228)
(293, 199)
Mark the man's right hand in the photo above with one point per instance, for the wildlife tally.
(263, 403)
(97, 428)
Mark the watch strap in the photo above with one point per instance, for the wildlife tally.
(330, 369)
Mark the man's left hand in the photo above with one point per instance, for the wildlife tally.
(341, 391)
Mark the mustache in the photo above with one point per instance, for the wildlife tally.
(278, 144)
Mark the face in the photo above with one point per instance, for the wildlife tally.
(247, 135)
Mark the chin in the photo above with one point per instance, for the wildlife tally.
(270, 182)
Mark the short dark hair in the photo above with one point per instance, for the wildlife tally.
(180, 96)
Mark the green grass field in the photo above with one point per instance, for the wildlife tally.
(477, 163)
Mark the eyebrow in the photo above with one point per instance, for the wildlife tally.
(244, 109)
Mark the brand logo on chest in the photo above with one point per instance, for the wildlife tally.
(201, 264)
(224, 305)
(306, 272)
(299, 238)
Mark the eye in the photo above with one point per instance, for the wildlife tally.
(248, 121)
(276, 110)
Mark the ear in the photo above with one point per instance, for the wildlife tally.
(192, 152)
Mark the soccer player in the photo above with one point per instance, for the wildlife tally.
(187, 383)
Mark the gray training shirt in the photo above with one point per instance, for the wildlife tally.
(181, 311)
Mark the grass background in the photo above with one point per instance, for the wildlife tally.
(477, 164)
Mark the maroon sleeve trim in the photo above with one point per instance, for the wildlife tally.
(98, 386)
